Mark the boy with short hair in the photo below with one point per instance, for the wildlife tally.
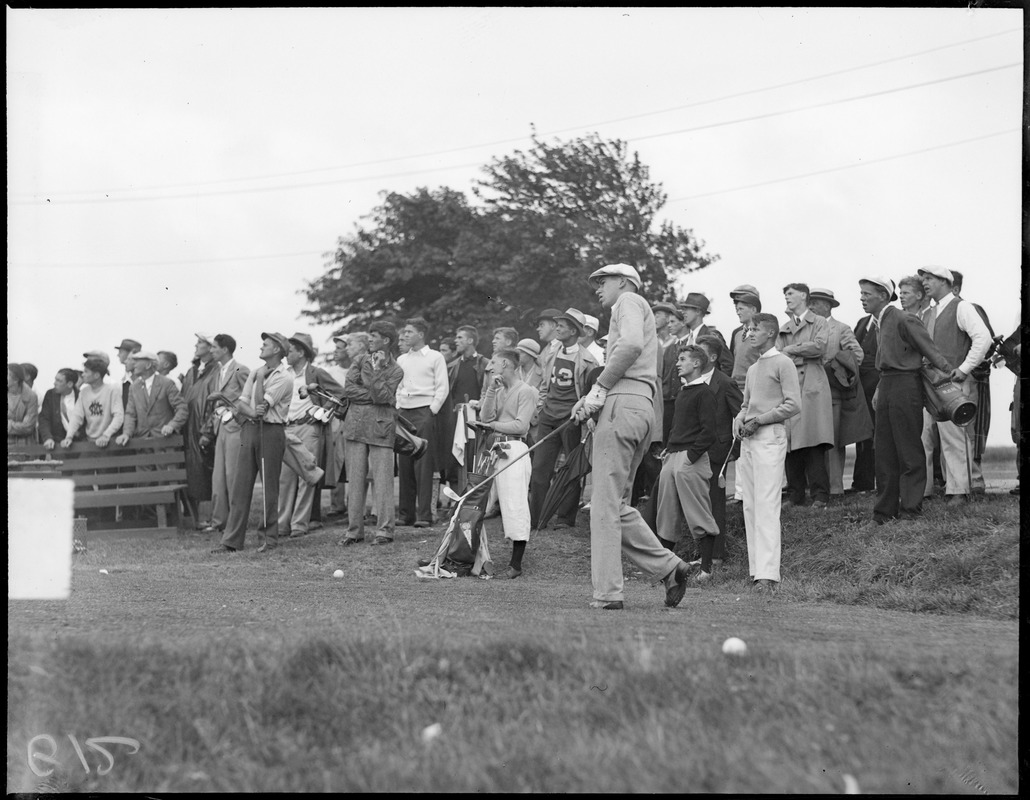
(683, 491)
(772, 394)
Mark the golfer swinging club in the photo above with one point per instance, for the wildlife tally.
(625, 395)
(263, 407)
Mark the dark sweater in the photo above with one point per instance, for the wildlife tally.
(903, 342)
(693, 422)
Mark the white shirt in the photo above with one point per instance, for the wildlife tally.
(299, 406)
(67, 404)
(707, 377)
(149, 384)
(970, 322)
(223, 373)
(425, 379)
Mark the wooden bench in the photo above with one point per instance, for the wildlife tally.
(142, 473)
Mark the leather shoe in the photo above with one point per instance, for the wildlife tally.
(510, 573)
(676, 584)
(382, 540)
(222, 548)
(764, 586)
(314, 525)
(956, 500)
(266, 548)
(608, 605)
(348, 540)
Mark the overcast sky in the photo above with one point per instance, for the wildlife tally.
(174, 171)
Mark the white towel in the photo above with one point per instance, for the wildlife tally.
(461, 432)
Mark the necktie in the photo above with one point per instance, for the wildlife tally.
(259, 388)
(64, 410)
(930, 319)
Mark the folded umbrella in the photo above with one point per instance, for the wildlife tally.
(565, 480)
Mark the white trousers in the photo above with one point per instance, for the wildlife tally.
(511, 488)
(762, 457)
(956, 456)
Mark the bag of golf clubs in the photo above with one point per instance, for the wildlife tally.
(405, 442)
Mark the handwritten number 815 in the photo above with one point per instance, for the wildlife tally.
(94, 744)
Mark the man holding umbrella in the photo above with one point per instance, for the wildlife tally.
(264, 406)
(625, 394)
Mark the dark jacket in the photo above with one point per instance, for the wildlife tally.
(51, 423)
(728, 399)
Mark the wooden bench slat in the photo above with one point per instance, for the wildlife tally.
(129, 478)
(134, 496)
(88, 448)
(77, 465)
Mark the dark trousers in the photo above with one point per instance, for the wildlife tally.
(718, 496)
(415, 503)
(900, 458)
(668, 412)
(863, 478)
(806, 469)
(544, 458)
(261, 444)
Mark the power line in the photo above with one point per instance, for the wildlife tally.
(336, 181)
(846, 166)
(866, 96)
(496, 142)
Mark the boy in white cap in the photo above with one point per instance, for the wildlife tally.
(589, 338)
(625, 394)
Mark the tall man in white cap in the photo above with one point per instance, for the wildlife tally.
(963, 339)
(564, 383)
(264, 405)
(197, 384)
(626, 394)
(902, 343)
(851, 420)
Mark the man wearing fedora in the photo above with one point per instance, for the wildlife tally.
(803, 338)
(223, 428)
(851, 420)
(155, 409)
(695, 308)
(963, 339)
(564, 382)
(902, 344)
(627, 401)
(296, 495)
(668, 375)
(197, 384)
(264, 407)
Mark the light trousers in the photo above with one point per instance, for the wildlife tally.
(762, 456)
(227, 454)
(511, 488)
(684, 493)
(296, 495)
(956, 456)
(362, 460)
(622, 436)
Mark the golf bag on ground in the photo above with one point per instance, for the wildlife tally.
(463, 551)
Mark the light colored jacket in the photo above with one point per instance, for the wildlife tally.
(805, 345)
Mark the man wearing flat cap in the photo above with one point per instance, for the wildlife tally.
(589, 338)
(263, 408)
(963, 339)
(902, 344)
(664, 313)
(627, 400)
(155, 409)
(197, 384)
(307, 430)
(851, 420)
(564, 382)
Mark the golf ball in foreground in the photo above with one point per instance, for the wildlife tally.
(338, 573)
(734, 646)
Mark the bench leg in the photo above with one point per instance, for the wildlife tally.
(162, 516)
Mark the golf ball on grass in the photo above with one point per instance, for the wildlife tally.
(338, 573)
(734, 646)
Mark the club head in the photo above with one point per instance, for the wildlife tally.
(449, 493)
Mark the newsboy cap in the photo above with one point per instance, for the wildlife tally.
(938, 272)
(100, 354)
(669, 308)
(617, 271)
(279, 339)
(591, 322)
(145, 355)
(885, 283)
(206, 337)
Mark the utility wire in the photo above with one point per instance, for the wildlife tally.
(335, 181)
(511, 140)
(846, 166)
(67, 265)
(866, 96)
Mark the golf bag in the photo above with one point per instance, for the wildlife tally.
(463, 551)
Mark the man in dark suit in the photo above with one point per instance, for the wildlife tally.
(864, 474)
(728, 399)
(155, 409)
(57, 407)
(466, 376)
(695, 309)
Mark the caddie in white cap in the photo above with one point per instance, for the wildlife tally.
(629, 401)
(963, 338)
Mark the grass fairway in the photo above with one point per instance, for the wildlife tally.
(264, 673)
